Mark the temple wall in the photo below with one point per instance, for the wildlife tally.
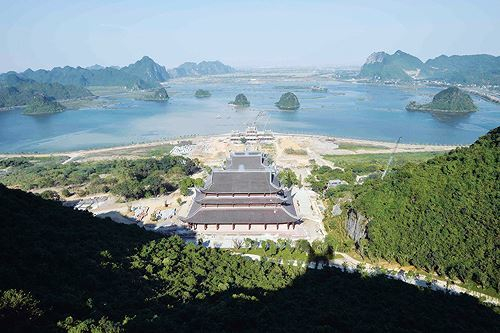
(242, 227)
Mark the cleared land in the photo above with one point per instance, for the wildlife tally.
(298, 152)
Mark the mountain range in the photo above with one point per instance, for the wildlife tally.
(143, 74)
(481, 69)
(16, 90)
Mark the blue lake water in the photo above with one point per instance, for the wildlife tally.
(347, 110)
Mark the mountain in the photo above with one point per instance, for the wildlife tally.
(160, 95)
(240, 100)
(142, 74)
(441, 215)
(481, 69)
(399, 66)
(451, 99)
(202, 68)
(18, 91)
(288, 101)
(147, 70)
(202, 93)
(41, 104)
(67, 271)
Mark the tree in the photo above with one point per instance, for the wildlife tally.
(185, 184)
(50, 195)
(288, 178)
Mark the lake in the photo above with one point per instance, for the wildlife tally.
(352, 110)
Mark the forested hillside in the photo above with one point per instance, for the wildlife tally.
(202, 68)
(142, 74)
(480, 69)
(136, 179)
(66, 270)
(441, 215)
(16, 91)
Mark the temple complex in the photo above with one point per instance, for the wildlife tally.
(244, 195)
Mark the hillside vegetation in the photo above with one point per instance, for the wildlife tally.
(441, 215)
(480, 69)
(41, 104)
(451, 99)
(17, 91)
(288, 101)
(126, 178)
(64, 270)
(240, 100)
(143, 74)
(201, 68)
(383, 66)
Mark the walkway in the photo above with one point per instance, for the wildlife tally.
(351, 265)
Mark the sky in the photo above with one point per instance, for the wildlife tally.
(244, 34)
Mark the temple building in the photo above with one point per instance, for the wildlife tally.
(245, 195)
(252, 135)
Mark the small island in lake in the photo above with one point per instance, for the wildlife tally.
(319, 89)
(449, 100)
(42, 104)
(159, 95)
(201, 93)
(288, 101)
(240, 100)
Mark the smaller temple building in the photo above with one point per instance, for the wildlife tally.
(252, 135)
(244, 195)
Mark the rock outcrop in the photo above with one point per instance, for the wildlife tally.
(451, 99)
(240, 100)
(355, 225)
(201, 93)
(288, 101)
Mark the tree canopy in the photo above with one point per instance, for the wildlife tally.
(441, 215)
(66, 270)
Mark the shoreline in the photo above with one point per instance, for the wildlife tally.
(328, 138)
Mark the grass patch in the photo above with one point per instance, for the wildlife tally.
(161, 150)
(292, 151)
(355, 147)
(371, 162)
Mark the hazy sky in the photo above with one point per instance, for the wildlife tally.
(44, 34)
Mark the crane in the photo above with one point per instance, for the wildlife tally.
(391, 157)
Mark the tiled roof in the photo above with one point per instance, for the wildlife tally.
(285, 198)
(246, 161)
(243, 215)
(242, 182)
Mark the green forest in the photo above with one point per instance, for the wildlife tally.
(17, 91)
(143, 74)
(64, 270)
(441, 215)
(134, 179)
(451, 99)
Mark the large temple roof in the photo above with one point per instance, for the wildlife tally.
(244, 215)
(223, 181)
(247, 161)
